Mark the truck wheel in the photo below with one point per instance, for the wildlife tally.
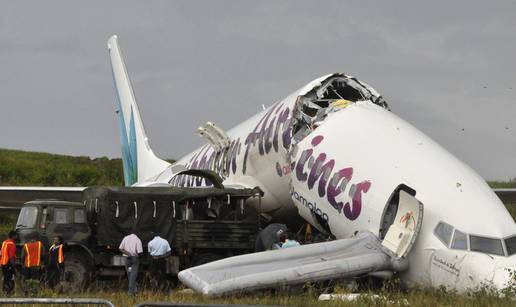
(205, 258)
(76, 275)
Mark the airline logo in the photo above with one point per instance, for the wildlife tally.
(128, 142)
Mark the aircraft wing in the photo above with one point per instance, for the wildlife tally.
(12, 198)
(343, 258)
(506, 195)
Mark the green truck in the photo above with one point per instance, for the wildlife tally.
(201, 225)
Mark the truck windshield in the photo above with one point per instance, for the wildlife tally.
(27, 217)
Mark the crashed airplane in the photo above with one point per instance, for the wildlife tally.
(334, 154)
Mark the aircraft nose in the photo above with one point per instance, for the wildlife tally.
(505, 273)
(465, 271)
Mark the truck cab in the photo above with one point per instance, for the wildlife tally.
(46, 218)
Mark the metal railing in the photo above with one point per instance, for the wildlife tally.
(57, 301)
(165, 304)
(96, 301)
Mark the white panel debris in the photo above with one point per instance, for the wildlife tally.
(343, 258)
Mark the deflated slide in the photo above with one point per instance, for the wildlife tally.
(343, 258)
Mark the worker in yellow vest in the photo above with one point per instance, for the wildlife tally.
(31, 256)
(55, 262)
(8, 261)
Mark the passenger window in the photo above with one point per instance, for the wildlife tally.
(60, 215)
(460, 240)
(486, 245)
(444, 232)
(79, 216)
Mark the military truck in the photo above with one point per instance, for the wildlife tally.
(201, 225)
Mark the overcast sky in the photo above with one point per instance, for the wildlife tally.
(448, 68)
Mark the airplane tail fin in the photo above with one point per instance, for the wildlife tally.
(140, 162)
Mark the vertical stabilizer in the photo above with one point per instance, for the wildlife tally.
(140, 162)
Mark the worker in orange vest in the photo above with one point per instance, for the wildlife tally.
(8, 261)
(31, 257)
(55, 262)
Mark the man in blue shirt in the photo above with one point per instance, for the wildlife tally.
(286, 242)
(159, 249)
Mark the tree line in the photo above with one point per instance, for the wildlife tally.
(21, 168)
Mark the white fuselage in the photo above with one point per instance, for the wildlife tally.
(345, 170)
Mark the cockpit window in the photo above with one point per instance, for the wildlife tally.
(510, 244)
(460, 240)
(486, 245)
(444, 232)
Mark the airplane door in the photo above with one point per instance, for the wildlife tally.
(406, 225)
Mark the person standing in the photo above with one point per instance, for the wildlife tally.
(131, 247)
(55, 263)
(8, 262)
(31, 256)
(159, 249)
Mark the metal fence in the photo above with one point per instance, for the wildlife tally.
(56, 301)
(164, 304)
(95, 301)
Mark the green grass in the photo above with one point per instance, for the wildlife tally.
(390, 297)
(511, 184)
(7, 223)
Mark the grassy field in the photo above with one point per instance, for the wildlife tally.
(390, 296)
(511, 184)
(29, 168)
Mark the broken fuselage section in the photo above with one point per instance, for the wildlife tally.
(319, 99)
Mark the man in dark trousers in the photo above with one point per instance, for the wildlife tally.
(31, 256)
(55, 262)
(131, 247)
(159, 249)
(8, 261)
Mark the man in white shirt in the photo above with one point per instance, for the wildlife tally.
(131, 247)
(159, 249)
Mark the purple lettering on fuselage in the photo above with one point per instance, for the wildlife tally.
(266, 133)
(276, 123)
(321, 170)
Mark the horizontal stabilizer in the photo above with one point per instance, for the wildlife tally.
(343, 258)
